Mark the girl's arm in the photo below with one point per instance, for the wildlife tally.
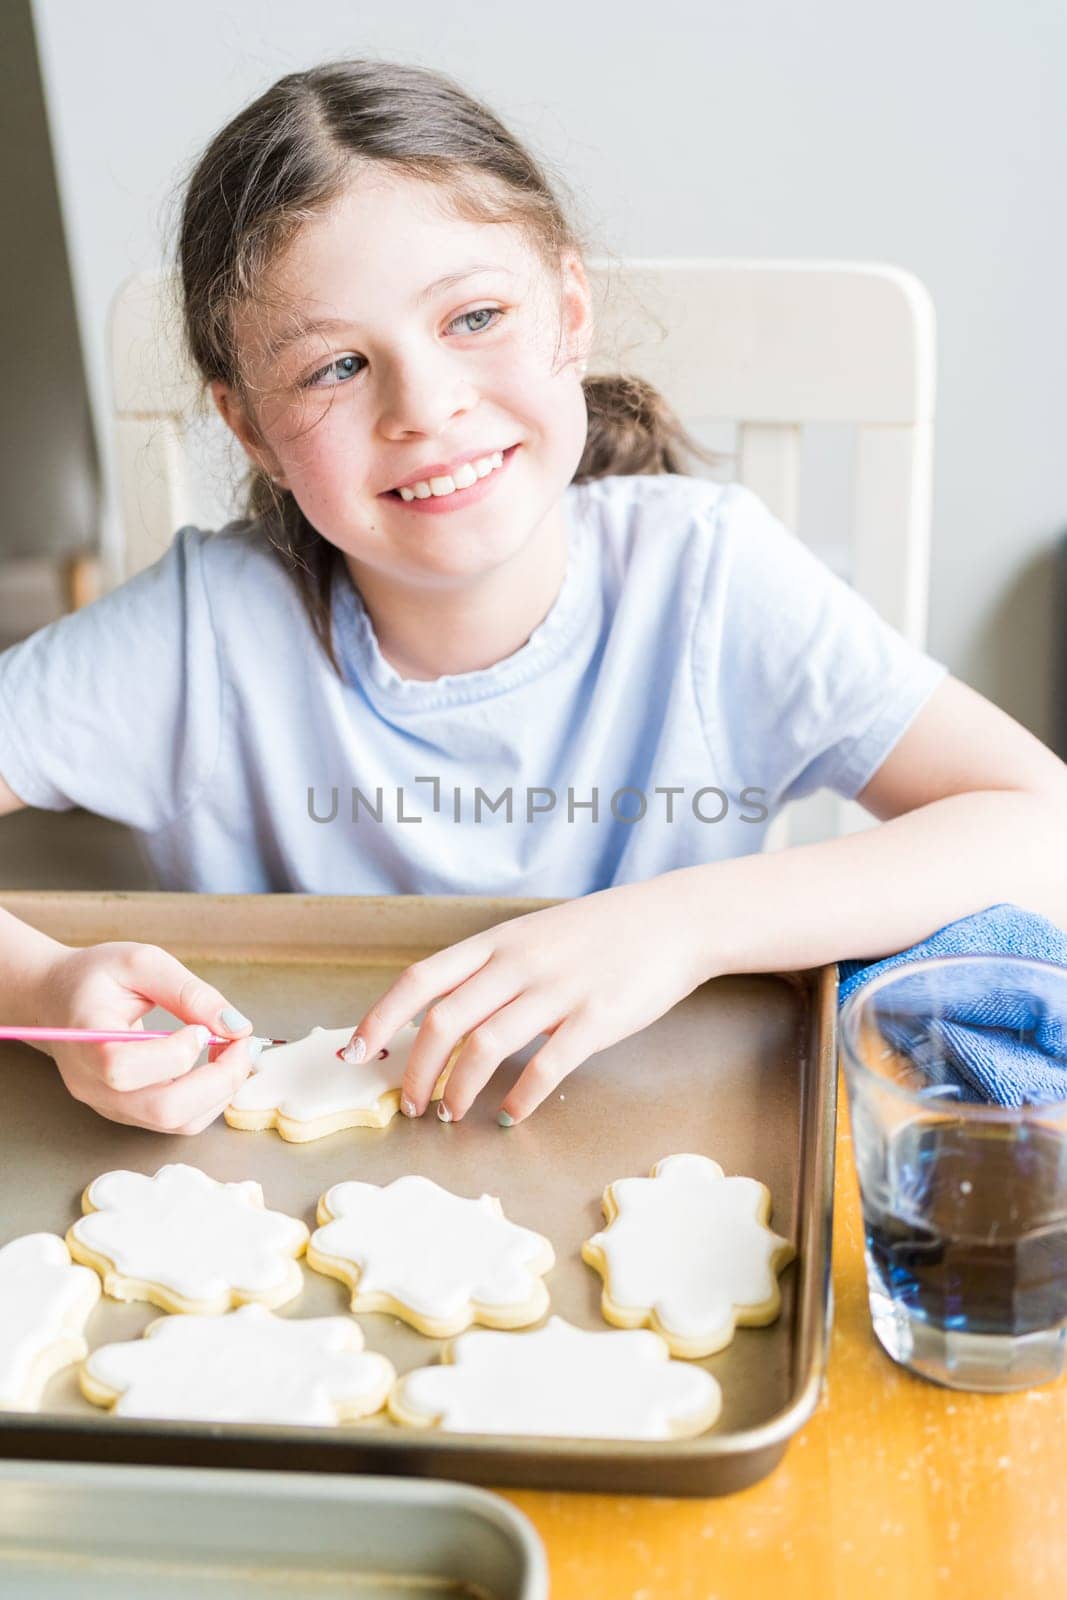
(974, 812)
(9, 800)
(25, 957)
(151, 1084)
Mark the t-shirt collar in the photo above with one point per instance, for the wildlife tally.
(362, 662)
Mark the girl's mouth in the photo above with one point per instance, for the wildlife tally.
(456, 499)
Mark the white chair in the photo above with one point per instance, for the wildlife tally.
(770, 346)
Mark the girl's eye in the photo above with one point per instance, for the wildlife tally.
(492, 313)
(338, 372)
(335, 373)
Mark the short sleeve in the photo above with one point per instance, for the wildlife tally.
(801, 684)
(116, 707)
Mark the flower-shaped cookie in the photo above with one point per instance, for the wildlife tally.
(186, 1242)
(561, 1381)
(44, 1303)
(438, 1261)
(250, 1366)
(688, 1252)
(304, 1091)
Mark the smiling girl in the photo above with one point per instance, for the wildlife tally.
(466, 566)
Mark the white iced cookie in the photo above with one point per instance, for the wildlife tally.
(250, 1366)
(688, 1252)
(187, 1242)
(561, 1381)
(438, 1261)
(44, 1303)
(304, 1091)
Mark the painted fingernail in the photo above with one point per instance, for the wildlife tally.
(233, 1020)
(408, 1107)
(255, 1048)
(354, 1051)
(505, 1121)
(443, 1113)
(203, 1034)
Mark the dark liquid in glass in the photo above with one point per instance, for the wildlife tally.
(974, 1242)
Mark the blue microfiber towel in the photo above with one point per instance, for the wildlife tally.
(1005, 1046)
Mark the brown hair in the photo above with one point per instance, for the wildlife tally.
(285, 158)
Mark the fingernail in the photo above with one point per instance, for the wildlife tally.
(203, 1034)
(505, 1121)
(255, 1048)
(233, 1020)
(353, 1052)
(443, 1113)
(408, 1107)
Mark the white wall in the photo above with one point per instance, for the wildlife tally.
(930, 133)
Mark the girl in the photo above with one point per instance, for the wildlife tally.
(479, 634)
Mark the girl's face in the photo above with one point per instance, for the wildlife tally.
(396, 343)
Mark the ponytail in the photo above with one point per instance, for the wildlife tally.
(632, 431)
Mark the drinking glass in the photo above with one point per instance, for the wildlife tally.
(964, 1201)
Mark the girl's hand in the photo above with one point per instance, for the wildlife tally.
(587, 973)
(152, 1084)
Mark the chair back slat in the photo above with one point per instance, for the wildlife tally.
(768, 455)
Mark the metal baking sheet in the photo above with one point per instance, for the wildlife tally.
(74, 1532)
(743, 1070)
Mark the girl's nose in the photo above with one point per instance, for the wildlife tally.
(423, 396)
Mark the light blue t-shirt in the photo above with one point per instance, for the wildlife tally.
(698, 668)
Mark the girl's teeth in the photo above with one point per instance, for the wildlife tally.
(462, 478)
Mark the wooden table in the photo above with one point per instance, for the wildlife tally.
(896, 1488)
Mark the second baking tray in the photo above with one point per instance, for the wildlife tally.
(75, 1532)
(743, 1071)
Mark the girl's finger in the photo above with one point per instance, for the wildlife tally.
(169, 1108)
(416, 986)
(127, 1066)
(490, 1043)
(568, 1046)
(443, 1027)
(206, 1119)
(160, 977)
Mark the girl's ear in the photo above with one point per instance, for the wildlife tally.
(576, 309)
(235, 415)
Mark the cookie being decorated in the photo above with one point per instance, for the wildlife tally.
(688, 1252)
(187, 1242)
(45, 1301)
(436, 1260)
(250, 1366)
(560, 1381)
(306, 1092)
